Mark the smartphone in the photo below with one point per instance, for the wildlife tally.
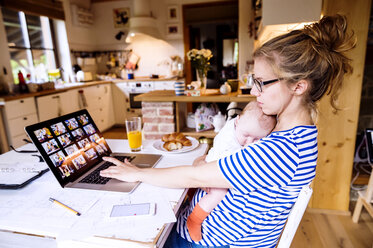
(133, 210)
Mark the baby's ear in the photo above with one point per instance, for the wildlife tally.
(236, 120)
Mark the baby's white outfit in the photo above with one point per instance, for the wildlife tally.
(225, 142)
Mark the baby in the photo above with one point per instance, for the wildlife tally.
(250, 126)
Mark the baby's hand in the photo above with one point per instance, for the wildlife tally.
(207, 190)
(199, 161)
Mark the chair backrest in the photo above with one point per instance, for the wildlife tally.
(295, 216)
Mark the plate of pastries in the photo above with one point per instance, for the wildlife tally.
(176, 143)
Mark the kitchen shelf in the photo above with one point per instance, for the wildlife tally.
(192, 132)
(180, 103)
(169, 96)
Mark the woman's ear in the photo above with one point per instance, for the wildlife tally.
(300, 87)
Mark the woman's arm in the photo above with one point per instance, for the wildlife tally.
(207, 175)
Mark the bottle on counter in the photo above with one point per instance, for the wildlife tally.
(22, 83)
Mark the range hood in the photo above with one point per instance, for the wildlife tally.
(142, 23)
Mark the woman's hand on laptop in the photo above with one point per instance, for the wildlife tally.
(124, 171)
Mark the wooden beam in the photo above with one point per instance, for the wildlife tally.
(50, 8)
(337, 132)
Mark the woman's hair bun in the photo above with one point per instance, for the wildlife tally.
(331, 33)
(316, 53)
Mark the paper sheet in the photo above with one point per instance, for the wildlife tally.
(17, 173)
(140, 228)
(30, 206)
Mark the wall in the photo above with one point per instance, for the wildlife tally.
(80, 38)
(100, 36)
(155, 55)
(104, 27)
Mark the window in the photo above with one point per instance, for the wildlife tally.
(30, 45)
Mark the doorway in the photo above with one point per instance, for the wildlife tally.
(212, 26)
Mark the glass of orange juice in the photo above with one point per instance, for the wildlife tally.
(134, 136)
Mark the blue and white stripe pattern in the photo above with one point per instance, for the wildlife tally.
(179, 88)
(267, 177)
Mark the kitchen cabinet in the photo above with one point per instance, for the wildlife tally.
(17, 115)
(273, 17)
(120, 102)
(55, 105)
(276, 12)
(98, 101)
(26, 109)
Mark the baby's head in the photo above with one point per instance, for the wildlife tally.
(253, 124)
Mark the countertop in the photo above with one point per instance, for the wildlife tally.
(65, 87)
(169, 96)
(69, 86)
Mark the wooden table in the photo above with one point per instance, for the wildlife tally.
(22, 224)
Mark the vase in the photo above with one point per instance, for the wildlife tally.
(202, 79)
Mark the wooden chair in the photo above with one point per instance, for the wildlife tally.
(295, 216)
(365, 199)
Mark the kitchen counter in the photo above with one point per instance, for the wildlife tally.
(169, 96)
(68, 86)
(144, 79)
(58, 89)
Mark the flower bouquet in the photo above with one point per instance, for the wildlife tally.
(200, 61)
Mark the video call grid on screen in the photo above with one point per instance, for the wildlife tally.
(71, 144)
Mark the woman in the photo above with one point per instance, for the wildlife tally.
(292, 72)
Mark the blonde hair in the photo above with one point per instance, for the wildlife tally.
(315, 53)
(267, 122)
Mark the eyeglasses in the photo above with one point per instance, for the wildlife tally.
(259, 83)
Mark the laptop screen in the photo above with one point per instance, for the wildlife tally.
(369, 136)
(70, 144)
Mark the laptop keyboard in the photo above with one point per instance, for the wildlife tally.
(95, 178)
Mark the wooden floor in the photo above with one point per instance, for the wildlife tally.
(316, 230)
(115, 133)
(331, 230)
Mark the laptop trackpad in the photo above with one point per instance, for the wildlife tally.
(116, 185)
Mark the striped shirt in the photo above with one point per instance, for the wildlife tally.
(267, 177)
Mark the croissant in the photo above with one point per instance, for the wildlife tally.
(166, 137)
(176, 137)
(172, 145)
(185, 141)
(169, 137)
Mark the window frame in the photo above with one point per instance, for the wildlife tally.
(29, 48)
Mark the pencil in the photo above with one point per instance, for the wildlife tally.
(65, 206)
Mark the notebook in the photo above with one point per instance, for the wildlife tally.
(73, 148)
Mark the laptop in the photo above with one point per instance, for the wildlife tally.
(73, 148)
